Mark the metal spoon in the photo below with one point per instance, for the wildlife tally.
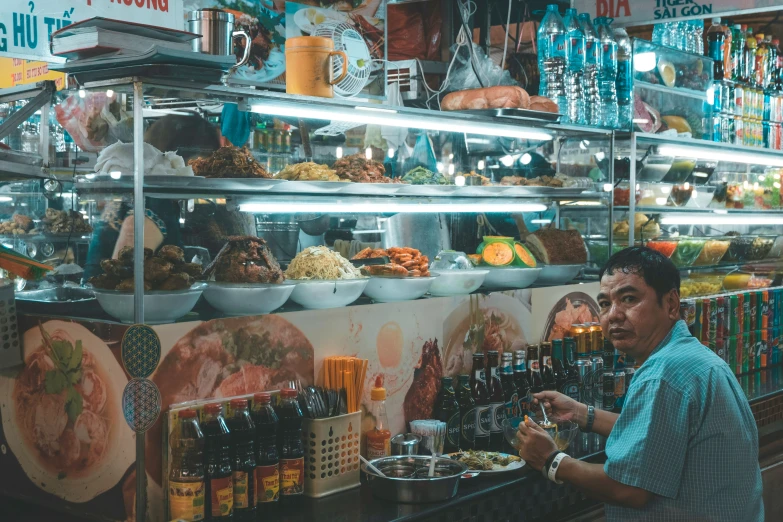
(371, 467)
(553, 430)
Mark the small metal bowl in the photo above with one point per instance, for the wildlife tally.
(406, 479)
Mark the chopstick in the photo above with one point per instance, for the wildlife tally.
(349, 373)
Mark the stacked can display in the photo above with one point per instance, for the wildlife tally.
(743, 328)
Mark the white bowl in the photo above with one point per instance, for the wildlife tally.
(327, 294)
(456, 282)
(247, 298)
(160, 306)
(558, 274)
(391, 289)
(511, 277)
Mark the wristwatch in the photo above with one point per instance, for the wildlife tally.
(553, 467)
(590, 419)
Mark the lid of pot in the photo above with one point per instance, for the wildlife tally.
(301, 42)
(210, 14)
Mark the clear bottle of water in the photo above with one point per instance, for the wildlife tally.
(698, 36)
(607, 72)
(658, 33)
(624, 79)
(592, 61)
(551, 43)
(575, 65)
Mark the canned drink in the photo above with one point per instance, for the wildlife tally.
(619, 385)
(753, 308)
(759, 323)
(721, 328)
(608, 354)
(577, 332)
(688, 312)
(732, 353)
(764, 355)
(585, 369)
(706, 320)
(739, 131)
(619, 360)
(739, 98)
(596, 337)
(778, 308)
(764, 310)
(751, 348)
(596, 370)
(720, 348)
(775, 346)
(697, 320)
(629, 372)
(732, 314)
(746, 312)
(743, 352)
(713, 320)
(771, 294)
(608, 398)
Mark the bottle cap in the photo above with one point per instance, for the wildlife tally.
(238, 403)
(716, 21)
(378, 394)
(262, 397)
(288, 393)
(446, 381)
(737, 26)
(187, 414)
(213, 408)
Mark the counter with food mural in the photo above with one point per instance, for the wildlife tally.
(65, 443)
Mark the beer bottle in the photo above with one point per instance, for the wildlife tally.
(480, 394)
(497, 403)
(510, 391)
(533, 370)
(557, 364)
(545, 366)
(522, 382)
(573, 384)
(467, 411)
(219, 494)
(447, 410)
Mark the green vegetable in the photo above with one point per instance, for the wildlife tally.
(422, 176)
(66, 374)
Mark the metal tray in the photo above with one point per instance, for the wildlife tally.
(516, 114)
(59, 300)
(184, 73)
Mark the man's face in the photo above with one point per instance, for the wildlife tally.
(631, 316)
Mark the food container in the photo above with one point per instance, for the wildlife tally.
(701, 196)
(160, 306)
(405, 444)
(745, 280)
(456, 282)
(557, 274)
(680, 195)
(402, 482)
(680, 170)
(392, 289)
(663, 246)
(688, 249)
(701, 284)
(713, 252)
(247, 298)
(760, 247)
(777, 248)
(316, 295)
(654, 168)
(599, 251)
(510, 277)
(739, 250)
(451, 260)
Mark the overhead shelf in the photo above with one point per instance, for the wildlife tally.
(707, 150)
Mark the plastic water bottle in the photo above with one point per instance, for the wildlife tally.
(698, 36)
(624, 79)
(716, 38)
(551, 43)
(575, 65)
(657, 34)
(592, 61)
(607, 72)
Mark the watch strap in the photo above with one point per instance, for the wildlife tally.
(590, 419)
(549, 460)
(554, 466)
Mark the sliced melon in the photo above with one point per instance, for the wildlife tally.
(523, 257)
(678, 123)
(475, 259)
(667, 72)
(498, 253)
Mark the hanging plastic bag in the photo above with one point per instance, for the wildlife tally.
(94, 121)
(463, 75)
(423, 155)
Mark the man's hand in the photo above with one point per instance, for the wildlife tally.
(560, 407)
(536, 444)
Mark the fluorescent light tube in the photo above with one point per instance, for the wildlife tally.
(720, 155)
(393, 119)
(383, 207)
(696, 219)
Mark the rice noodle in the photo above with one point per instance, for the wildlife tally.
(318, 262)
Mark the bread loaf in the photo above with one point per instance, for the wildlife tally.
(557, 247)
(500, 97)
(542, 103)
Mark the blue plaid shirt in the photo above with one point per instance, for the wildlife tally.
(687, 435)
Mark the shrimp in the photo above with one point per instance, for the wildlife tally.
(49, 422)
(93, 391)
(91, 429)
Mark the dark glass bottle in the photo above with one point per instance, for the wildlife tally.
(267, 458)
(447, 410)
(573, 384)
(497, 402)
(186, 474)
(467, 411)
(243, 436)
(510, 392)
(291, 448)
(608, 354)
(217, 465)
(557, 364)
(480, 393)
(534, 370)
(545, 366)
(522, 382)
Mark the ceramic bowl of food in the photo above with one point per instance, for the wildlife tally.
(247, 298)
(511, 277)
(160, 306)
(557, 274)
(456, 282)
(319, 294)
(392, 289)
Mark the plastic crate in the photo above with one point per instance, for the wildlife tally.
(10, 343)
(331, 454)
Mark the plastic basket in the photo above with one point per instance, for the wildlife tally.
(10, 344)
(331, 454)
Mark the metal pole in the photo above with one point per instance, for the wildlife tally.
(43, 133)
(138, 270)
(632, 193)
(611, 195)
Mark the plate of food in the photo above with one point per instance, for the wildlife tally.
(488, 462)
(393, 289)
(324, 279)
(307, 19)
(266, 29)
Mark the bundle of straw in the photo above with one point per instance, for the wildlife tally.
(347, 373)
(22, 266)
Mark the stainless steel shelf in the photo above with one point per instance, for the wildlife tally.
(696, 210)
(764, 156)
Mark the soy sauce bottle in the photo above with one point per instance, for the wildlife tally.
(217, 465)
(291, 447)
(243, 434)
(267, 477)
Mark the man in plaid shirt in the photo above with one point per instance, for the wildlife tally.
(685, 447)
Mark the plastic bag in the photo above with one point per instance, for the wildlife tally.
(423, 155)
(94, 121)
(463, 76)
(414, 30)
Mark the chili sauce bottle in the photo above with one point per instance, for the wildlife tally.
(186, 475)
(267, 476)
(379, 438)
(291, 447)
(243, 435)
(217, 465)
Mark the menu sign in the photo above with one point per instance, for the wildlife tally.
(628, 12)
(26, 25)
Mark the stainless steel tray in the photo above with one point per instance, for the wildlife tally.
(516, 114)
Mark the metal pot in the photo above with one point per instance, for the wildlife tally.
(406, 479)
(217, 32)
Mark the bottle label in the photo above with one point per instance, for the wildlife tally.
(512, 406)
(557, 46)
(609, 54)
(377, 448)
(483, 421)
(497, 416)
(267, 483)
(716, 50)
(547, 360)
(576, 50)
(534, 366)
(292, 476)
(186, 500)
(571, 389)
(242, 497)
(468, 426)
(222, 496)
(592, 52)
(624, 79)
(524, 405)
(452, 430)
